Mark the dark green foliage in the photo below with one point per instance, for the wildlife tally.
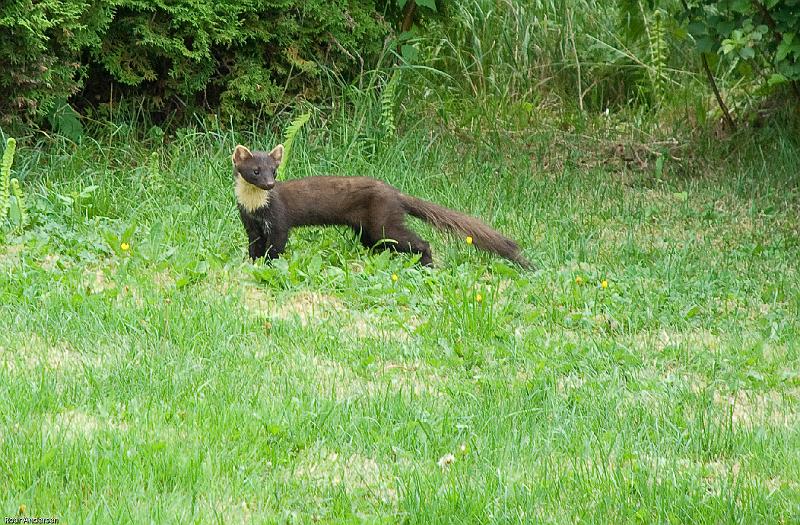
(239, 54)
(40, 43)
(759, 36)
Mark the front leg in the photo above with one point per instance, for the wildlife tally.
(271, 245)
(256, 240)
(257, 246)
(276, 243)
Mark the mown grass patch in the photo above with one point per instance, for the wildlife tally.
(171, 380)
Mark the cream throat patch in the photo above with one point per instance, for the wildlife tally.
(249, 196)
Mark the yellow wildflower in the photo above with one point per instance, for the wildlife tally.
(394, 277)
(478, 298)
(22, 510)
(469, 239)
(579, 280)
(125, 246)
(604, 284)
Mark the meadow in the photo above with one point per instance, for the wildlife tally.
(647, 371)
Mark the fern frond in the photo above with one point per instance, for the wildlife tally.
(5, 176)
(387, 103)
(656, 37)
(288, 139)
(21, 206)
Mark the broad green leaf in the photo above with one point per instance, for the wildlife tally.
(410, 53)
(776, 79)
(64, 121)
(747, 53)
(697, 28)
(782, 51)
(706, 44)
(430, 4)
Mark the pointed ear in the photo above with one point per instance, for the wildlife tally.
(240, 154)
(277, 153)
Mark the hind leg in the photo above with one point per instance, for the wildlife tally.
(366, 239)
(408, 242)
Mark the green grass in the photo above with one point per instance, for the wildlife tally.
(175, 382)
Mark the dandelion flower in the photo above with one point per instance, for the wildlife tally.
(22, 510)
(446, 460)
(394, 277)
(579, 280)
(469, 239)
(478, 298)
(604, 284)
(125, 246)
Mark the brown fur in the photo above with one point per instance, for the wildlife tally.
(373, 209)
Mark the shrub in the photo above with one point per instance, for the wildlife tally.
(760, 38)
(240, 54)
(40, 47)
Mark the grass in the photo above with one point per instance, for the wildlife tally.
(174, 381)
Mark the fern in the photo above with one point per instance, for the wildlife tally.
(656, 38)
(387, 103)
(5, 177)
(291, 132)
(23, 209)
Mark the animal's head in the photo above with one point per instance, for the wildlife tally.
(257, 167)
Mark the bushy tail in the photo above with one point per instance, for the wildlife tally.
(483, 236)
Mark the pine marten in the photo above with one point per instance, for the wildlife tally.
(375, 210)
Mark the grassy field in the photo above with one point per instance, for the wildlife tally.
(647, 372)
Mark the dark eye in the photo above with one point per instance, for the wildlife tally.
(255, 171)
